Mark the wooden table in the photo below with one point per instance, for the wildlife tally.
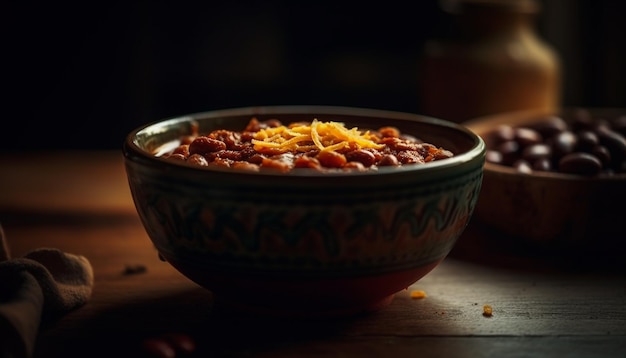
(79, 202)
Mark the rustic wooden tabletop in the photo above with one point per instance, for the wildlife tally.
(79, 202)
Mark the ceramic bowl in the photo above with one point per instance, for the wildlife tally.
(304, 242)
(553, 212)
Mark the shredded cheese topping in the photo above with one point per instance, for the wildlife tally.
(324, 136)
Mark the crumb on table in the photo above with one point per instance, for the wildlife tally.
(134, 269)
(487, 310)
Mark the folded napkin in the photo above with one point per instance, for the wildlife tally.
(43, 284)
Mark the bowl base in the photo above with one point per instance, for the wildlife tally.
(298, 296)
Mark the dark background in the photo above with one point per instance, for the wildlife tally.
(83, 74)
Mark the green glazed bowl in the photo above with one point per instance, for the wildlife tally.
(305, 243)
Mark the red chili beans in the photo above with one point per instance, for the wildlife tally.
(578, 144)
(233, 149)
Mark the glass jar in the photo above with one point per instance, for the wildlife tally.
(493, 62)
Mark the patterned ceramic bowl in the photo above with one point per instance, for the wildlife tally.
(305, 243)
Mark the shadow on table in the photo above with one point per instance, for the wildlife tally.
(218, 331)
(481, 244)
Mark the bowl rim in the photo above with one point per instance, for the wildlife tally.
(481, 125)
(478, 149)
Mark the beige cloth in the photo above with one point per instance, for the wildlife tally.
(43, 284)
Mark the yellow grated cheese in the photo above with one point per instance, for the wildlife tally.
(418, 294)
(325, 136)
(487, 311)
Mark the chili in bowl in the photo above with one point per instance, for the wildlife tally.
(304, 210)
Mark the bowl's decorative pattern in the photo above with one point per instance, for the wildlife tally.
(344, 233)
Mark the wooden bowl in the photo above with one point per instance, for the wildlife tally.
(561, 213)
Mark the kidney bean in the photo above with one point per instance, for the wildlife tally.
(255, 158)
(197, 159)
(389, 132)
(536, 151)
(277, 164)
(493, 156)
(305, 161)
(586, 140)
(332, 159)
(182, 149)
(602, 153)
(510, 151)
(503, 133)
(550, 126)
(389, 160)
(364, 157)
(563, 143)
(220, 162)
(358, 166)
(527, 136)
(613, 141)
(377, 154)
(580, 163)
(203, 145)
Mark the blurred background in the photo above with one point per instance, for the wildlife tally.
(81, 75)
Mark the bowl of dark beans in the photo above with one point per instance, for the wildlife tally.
(555, 181)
